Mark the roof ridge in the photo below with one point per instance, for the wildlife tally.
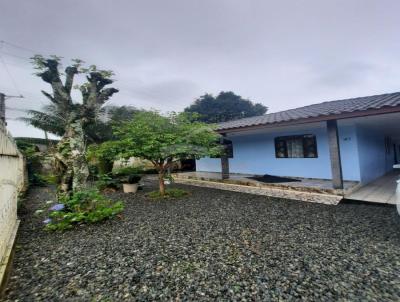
(319, 109)
(341, 100)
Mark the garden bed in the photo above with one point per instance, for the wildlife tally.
(211, 244)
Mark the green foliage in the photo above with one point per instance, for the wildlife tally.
(83, 207)
(226, 106)
(162, 140)
(159, 138)
(126, 171)
(169, 193)
(49, 119)
(128, 175)
(33, 159)
(29, 150)
(50, 179)
(132, 179)
(129, 170)
(107, 181)
(36, 179)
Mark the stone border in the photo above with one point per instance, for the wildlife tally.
(324, 198)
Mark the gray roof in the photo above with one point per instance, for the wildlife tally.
(318, 110)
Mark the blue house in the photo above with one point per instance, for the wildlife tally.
(354, 139)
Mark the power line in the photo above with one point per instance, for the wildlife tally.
(10, 76)
(16, 109)
(19, 47)
(12, 55)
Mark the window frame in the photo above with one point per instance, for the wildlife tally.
(303, 137)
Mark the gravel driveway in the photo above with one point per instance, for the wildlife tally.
(212, 245)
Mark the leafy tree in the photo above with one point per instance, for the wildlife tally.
(225, 107)
(73, 116)
(101, 129)
(162, 140)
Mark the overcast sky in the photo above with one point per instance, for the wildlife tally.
(166, 53)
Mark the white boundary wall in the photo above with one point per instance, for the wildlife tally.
(11, 183)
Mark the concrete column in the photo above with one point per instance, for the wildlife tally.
(225, 167)
(224, 163)
(334, 151)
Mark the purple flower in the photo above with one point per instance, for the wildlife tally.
(57, 207)
(47, 221)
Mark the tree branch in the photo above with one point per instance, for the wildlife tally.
(70, 73)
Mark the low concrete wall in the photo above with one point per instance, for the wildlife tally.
(12, 182)
(324, 198)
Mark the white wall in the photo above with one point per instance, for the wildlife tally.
(11, 182)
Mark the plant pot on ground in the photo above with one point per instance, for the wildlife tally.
(131, 183)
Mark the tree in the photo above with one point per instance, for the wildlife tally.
(74, 116)
(96, 132)
(162, 140)
(101, 131)
(225, 107)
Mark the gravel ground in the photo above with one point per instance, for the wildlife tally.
(212, 245)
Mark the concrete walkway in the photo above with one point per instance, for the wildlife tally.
(382, 190)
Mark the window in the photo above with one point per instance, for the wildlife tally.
(297, 146)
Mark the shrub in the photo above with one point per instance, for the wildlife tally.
(50, 179)
(126, 171)
(169, 193)
(81, 207)
(131, 179)
(106, 181)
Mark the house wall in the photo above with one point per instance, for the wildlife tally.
(374, 161)
(255, 154)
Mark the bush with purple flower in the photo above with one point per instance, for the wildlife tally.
(81, 207)
(57, 207)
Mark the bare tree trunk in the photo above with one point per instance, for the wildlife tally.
(161, 182)
(80, 166)
(71, 155)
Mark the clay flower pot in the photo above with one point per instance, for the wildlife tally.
(130, 188)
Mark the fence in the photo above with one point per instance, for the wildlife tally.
(12, 181)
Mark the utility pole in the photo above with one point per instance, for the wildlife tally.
(3, 105)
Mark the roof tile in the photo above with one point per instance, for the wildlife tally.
(316, 110)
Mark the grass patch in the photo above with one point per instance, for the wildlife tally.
(169, 193)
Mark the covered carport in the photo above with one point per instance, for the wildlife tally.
(384, 129)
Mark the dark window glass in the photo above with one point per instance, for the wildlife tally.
(297, 146)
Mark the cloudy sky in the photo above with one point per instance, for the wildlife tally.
(166, 53)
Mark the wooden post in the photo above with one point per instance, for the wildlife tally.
(334, 151)
(224, 163)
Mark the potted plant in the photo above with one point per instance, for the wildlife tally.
(131, 183)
